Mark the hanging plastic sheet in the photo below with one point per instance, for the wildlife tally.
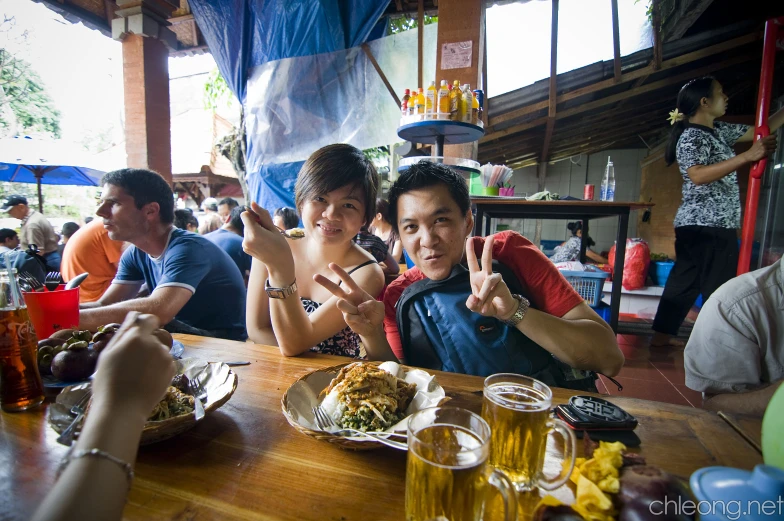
(244, 33)
(298, 105)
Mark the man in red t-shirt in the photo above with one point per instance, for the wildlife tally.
(431, 209)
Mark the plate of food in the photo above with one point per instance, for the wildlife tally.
(174, 413)
(366, 396)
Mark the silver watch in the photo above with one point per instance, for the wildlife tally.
(280, 293)
(522, 307)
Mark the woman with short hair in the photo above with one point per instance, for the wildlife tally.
(335, 196)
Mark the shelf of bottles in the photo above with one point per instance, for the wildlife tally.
(442, 116)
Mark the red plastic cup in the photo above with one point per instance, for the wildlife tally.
(52, 311)
(588, 192)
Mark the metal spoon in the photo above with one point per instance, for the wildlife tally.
(74, 282)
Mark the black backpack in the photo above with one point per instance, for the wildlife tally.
(439, 332)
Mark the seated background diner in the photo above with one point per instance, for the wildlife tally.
(194, 286)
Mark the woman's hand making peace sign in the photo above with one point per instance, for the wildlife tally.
(362, 313)
(490, 295)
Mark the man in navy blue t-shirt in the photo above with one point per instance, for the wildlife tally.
(194, 286)
(229, 239)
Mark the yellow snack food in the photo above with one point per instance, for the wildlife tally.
(592, 503)
(596, 476)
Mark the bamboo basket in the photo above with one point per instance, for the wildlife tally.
(340, 441)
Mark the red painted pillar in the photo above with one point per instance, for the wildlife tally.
(146, 43)
(772, 27)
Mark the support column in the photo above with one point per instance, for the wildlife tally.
(461, 21)
(146, 42)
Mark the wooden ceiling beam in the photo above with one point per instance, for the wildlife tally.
(616, 42)
(630, 76)
(513, 143)
(553, 94)
(674, 80)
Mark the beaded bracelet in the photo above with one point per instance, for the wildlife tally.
(72, 455)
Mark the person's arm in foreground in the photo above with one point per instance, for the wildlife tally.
(752, 403)
(363, 314)
(300, 331)
(163, 302)
(580, 338)
(704, 174)
(133, 373)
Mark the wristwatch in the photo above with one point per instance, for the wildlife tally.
(522, 307)
(280, 293)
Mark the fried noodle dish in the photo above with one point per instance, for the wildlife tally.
(367, 398)
(174, 403)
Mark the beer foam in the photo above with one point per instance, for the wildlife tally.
(516, 396)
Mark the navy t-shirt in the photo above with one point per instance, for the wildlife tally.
(231, 243)
(192, 262)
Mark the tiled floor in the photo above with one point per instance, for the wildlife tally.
(651, 374)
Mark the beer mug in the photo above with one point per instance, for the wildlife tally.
(20, 382)
(447, 473)
(517, 408)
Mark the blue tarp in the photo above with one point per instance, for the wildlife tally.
(243, 34)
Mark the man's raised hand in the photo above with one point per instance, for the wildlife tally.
(489, 294)
(362, 313)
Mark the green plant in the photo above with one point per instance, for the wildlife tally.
(403, 23)
(22, 91)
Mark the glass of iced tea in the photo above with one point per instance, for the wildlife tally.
(20, 382)
(517, 408)
(447, 475)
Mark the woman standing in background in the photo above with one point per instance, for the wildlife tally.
(706, 242)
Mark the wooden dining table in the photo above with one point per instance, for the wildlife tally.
(245, 462)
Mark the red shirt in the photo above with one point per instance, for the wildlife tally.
(541, 281)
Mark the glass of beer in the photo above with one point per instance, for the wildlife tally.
(517, 408)
(447, 475)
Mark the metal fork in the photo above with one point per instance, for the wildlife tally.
(52, 280)
(66, 438)
(327, 424)
(31, 281)
(199, 395)
(287, 235)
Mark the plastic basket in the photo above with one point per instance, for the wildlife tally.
(588, 284)
(603, 310)
(660, 272)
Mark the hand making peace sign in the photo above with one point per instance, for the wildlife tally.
(490, 295)
(362, 313)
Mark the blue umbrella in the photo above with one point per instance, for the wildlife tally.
(24, 159)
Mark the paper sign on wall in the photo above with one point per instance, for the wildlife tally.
(456, 55)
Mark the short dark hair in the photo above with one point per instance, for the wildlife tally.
(88, 220)
(332, 167)
(7, 233)
(144, 186)
(228, 201)
(69, 229)
(289, 216)
(235, 219)
(183, 217)
(422, 175)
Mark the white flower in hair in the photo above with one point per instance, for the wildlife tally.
(675, 116)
